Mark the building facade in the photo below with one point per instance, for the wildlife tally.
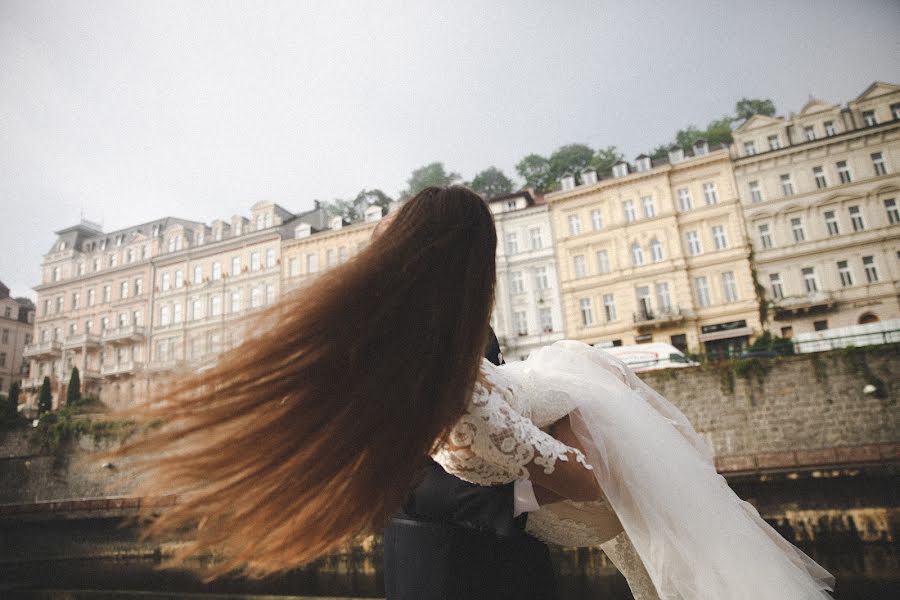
(527, 307)
(657, 252)
(16, 330)
(820, 193)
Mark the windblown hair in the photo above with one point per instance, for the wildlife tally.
(309, 433)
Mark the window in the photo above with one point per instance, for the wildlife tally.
(774, 142)
(797, 229)
(254, 261)
(80, 268)
(602, 261)
(330, 258)
(890, 207)
(749, 148)
(637, 254)
(216, 271)
(294, 266)
(196, 309)
(171, 245)
(92, 297)
(809, 280)
(844, 273)
(895, 110)
(107, 294)
(878, 164)
(693, 242)
(579, 266)
(649, 206)
(856, 218)
(663, 300)
(829, 128)
(123, 290)
(729, 287)
(644, 307)
(215, 305)
(2, 359)
(819, 176)
(270, 257)
(516, 283)
(312, 263)
(765, 236)
(95, 264)
(55, 274)
(511, 205)
(521, 322)
(235, 266)
(179, 279)
(820, 325)
(587, 313)
(656, 251)
(59, 304)
(702, 288)
(871, 271)
(512, 243)
(684, 200)
(540, 278)
(710, 194)
(869, 118)
(343, 255)
(164, 315)
(75, 299)
(843, 171)
(574, 225)
(718, 232)
(198, 274)
(177, 309)
(596, 219)
(546, 318)
(537, 239)
(5, 338)
(165, 282)
(129, 255)
(809, 132)
(831, 223)
(628, 211)
(609, 307)
(138, 286)
(755, 192)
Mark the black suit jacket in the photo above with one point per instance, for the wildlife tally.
(454, 540)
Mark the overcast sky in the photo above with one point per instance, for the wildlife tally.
(129, 111)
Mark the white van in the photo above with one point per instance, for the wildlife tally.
(648, 357)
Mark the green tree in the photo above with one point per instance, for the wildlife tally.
(661, 151)
(605, 158)
(45, 400)
(433, 174)
(491, 182)
(719, 131)
(535, 170)
(12, 401)
(73, 390)
(570, 159)
(374, 197)
(687, 136)
(747, 107)
(345, 209)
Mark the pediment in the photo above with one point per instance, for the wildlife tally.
(815, 106)
(758, 122)
(878, 88)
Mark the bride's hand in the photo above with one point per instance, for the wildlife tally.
(569, 479)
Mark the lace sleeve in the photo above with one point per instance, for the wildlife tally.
(493, 444)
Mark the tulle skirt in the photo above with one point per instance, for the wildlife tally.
(695, 537)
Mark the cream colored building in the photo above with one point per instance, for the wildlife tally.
(821, 193)
(657, 252)
(16, 327)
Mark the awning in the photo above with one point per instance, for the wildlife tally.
(728, 333)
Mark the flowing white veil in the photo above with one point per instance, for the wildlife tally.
(696, 538)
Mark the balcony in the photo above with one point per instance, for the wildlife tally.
(34, 383)
(807, 304)
(124, 368)
(651, 319)
(164, 365)
(43, 349)
(124, 335)
(85, 340)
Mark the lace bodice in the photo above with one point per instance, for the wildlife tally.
(496, 441)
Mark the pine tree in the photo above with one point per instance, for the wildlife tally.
(45, 401)
(73, 391)
(12, 400)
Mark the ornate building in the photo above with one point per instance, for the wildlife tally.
(16, 329)
(820, 193)
(657, 252)
(527, 307)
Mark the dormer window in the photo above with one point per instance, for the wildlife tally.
(373, 214)
(749, 148)
(829, 128)
(676, 154)
(589, 177)
(809, 132)
(260, 222)
(620, 169)
(62, 246)
(511, 204)
(103, 244)
(567, 182)
(268, 220)
(774, 142)
(869, 118)
(643, 163)
(302, 230)
(700, 148)
(337, 222)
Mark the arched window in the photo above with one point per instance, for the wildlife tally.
(867, 318)
(656, 251)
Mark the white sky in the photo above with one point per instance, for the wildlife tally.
(129, 111)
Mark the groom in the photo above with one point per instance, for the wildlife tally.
(454, 540)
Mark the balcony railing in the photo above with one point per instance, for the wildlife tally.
(84, 340)
(52, 348)
(791, 306)
(161, 366)
(123, 368)
(661, 317)
(124, 335)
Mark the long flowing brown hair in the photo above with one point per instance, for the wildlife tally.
(310, 432)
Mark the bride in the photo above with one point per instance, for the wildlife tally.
(310, 433)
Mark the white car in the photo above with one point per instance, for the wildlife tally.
(648, 357)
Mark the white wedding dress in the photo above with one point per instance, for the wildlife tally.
(684, 535)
